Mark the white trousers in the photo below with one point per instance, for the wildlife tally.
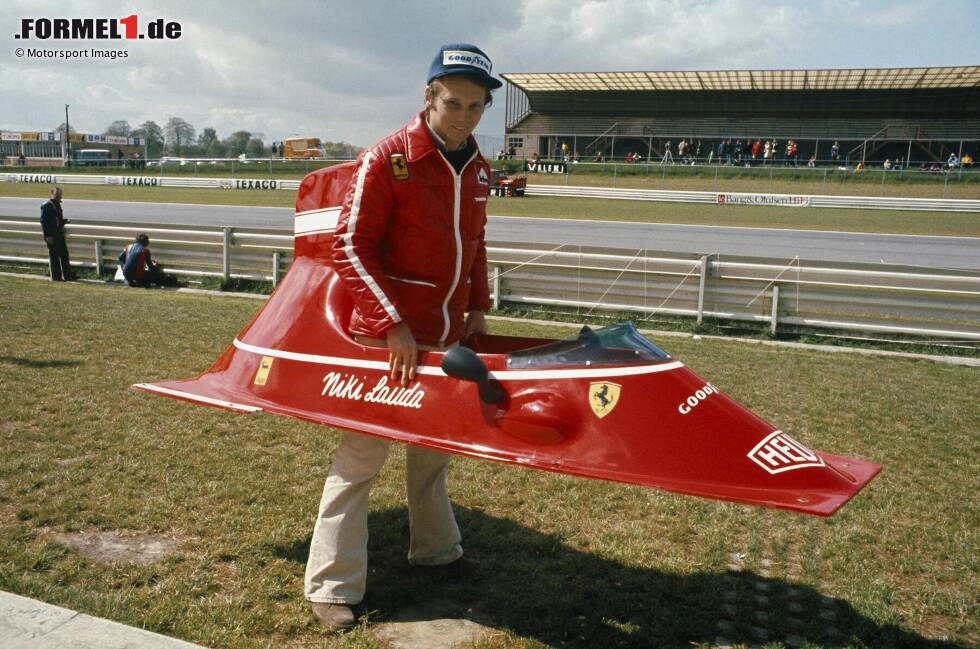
(336, 571)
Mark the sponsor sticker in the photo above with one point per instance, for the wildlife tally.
(779, 452)
(262, 375)
(603, 397)
(399, 168)
(481, 176)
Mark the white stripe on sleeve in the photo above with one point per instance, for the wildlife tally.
(355, 210)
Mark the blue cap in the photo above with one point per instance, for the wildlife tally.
(465, 59)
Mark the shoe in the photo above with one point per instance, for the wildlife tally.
(461, 568)
(334, 617)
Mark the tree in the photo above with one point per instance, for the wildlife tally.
(215, 150)
(153, 134)
(61, 129)
(207, 136)
(119, 127)
(256, 148)
(237, 143)
(178, 133)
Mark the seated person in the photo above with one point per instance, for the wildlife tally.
(138, 267)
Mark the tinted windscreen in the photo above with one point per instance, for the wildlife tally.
(620, 344)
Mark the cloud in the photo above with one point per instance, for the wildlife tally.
(354, 70)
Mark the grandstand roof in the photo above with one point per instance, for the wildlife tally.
(844, 79)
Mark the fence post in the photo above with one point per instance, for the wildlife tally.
(774, 318)
(705, 263)
(496, 287)
(98, 257)
(226, 253)
(275, 269)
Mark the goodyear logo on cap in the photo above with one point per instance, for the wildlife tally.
(462, 57)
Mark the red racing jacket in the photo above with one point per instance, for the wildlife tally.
(410, 240)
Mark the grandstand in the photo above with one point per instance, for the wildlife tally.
(920, 114)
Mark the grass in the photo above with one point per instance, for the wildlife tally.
(567, 562)
(842, 220)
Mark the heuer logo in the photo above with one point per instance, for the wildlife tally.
(779, 452)
(481, 175)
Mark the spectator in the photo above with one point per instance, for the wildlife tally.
(668, 155)
(738, 151)
(953, 162)
(757, 149)
(138, 267)
(511, 152)
(835, 152)
(812, 162)
(966, 161)
(697, 152)
(767, 152)
(599, 157)
(774, 152)
(791, 147)
(53, 224)
(888, 164)
(21, 160)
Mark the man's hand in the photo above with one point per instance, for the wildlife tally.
(404, 353)
(476, 323)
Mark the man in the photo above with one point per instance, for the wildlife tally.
(53, 224)
(138, 267)
(410, 248)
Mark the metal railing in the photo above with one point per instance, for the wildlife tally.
(818, 295)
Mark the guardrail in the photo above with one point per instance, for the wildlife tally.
(575, 191)
(746, 198)
(821, 295)
(151, 181)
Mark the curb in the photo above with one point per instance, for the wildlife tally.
(31, 624)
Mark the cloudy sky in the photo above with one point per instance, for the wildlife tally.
(354, 70)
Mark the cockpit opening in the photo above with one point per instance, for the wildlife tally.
(620, 344)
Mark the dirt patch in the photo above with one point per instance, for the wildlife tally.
(118, 547)
(431, 634)
(432, 625)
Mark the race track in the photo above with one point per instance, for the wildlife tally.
(925, 251)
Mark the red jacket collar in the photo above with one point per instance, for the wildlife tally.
(419, 142)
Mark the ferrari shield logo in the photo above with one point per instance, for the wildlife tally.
(399, 168)
(603, 397)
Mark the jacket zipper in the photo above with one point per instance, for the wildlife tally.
(457, 199)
